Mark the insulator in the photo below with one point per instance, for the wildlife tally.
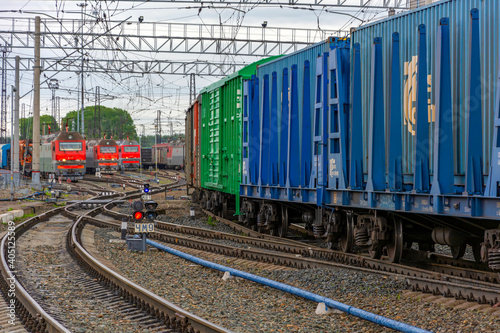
(361, 237)
(494, 258)
(318, 230)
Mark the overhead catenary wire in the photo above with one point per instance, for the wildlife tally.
(119, 85)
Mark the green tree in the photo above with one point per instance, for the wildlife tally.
(113, 122)
(26, 126)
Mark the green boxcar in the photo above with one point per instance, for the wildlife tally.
(220, 127)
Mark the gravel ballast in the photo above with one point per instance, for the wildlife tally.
(60, 286)
(244, 306)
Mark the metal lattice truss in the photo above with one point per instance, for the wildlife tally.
(124, 66)
(396, 4)
(164, 37)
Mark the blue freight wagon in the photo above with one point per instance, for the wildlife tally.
(383, 140)
(5, 156)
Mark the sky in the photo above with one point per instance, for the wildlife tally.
(143, 95)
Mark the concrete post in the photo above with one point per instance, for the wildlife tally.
(15, 143)
(35, 176)
(12, 162)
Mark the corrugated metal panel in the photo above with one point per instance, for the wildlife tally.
(220, 131)
(458, 11)
(297, 58)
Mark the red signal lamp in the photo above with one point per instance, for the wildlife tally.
(138, 216)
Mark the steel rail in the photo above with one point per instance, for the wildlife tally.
(31, 314)
(440, 263)
(303, 256)
(167, 312)
(420, 279)
(287, 245)
(467, 269)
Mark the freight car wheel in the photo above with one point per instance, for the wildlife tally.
(476, 251)
(347, 237)
(395, 247)
(458, 252)
(224, 210)
(283, 228)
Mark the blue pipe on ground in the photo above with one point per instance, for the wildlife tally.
(23, 198)
(380, 320)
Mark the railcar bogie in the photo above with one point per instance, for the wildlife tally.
(221, 204)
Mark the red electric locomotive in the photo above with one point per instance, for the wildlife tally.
(130, 154)
(103, 155)
(170, 155)
(63, 154)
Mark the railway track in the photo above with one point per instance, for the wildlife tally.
(249, 245)
(442, 276)
(438, 278)
(41, 306)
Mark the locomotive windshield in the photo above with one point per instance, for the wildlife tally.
(130, 149)
(107, 149)
(70, 146)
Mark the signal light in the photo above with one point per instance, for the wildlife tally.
(146, 188)
(151, 215)
(150, 205)
(151, 209)
(137, 205)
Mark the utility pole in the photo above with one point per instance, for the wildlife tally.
(25, 121)
(15, 121)
(95, 108)
(3, 108)
(82, 5)
(156, 152)
(158, 124)
(54, 85)
(78, 108)
(58, 112)
(98, 95)
(35, 173)
(140, 144)
(192, 88)
(12, 162)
